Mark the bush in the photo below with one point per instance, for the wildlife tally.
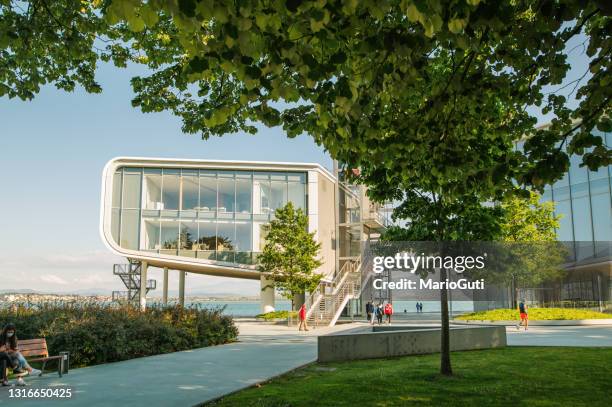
(277, 315)
(94, 333)
(535, 314)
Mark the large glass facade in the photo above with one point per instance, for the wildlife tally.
(584, 200)
(205, 214)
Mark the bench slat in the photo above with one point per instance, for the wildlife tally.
(35, 353)
(29, 341)
(33, 346)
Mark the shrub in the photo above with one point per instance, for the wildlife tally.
(535, 314)
(277, 315)
(96, 333)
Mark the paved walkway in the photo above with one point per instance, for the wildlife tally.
(183, 378)
(561, 336)
(264, 351)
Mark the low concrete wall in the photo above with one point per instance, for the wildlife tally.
(391, 341)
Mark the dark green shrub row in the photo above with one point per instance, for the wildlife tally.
(96, 333)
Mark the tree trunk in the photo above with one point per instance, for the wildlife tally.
(445, 362)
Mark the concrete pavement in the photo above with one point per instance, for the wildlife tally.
(264, 351)
(182, 378)
(560, 336)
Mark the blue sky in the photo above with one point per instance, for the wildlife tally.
(52, 151)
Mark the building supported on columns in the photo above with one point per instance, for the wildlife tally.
(208, 217)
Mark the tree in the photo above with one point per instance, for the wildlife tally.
(433, 216)
(435, 91)
(529, 229)
(289, 257)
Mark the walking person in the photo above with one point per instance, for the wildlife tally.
(379, 313)
(302, 315)
(369, 311)
(523, 314)
(388, 312)
(417, 307)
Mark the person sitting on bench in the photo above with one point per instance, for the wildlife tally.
(8, 344)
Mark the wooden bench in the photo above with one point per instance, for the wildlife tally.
(35, 350)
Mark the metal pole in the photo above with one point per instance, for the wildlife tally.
(143, 286)
(182, 288)
(165, 288)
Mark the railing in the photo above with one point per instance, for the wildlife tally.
(325, 308)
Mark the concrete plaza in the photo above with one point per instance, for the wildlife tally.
(263, 351)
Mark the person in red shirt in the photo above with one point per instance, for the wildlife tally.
(388, 311)
(302, 314)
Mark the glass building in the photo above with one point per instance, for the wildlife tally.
(208, 214)
(210, 217)
(583, 198)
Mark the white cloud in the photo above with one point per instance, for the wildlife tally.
(53, 279)
(93, 272)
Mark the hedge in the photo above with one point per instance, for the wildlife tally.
(96, 333)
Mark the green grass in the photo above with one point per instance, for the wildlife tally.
(535, 314)
(510, 376)
(277, 315)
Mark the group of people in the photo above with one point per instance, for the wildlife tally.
(10, 355)
(419, 307)
(378, 311)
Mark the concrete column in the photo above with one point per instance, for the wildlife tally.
(143, 285)
(182, 288)
(267, 295)
(165, 288)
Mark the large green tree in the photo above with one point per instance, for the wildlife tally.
(290, 255)
(529, 231)
(434, 91)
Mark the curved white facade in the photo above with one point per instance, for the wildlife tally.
(205, 216)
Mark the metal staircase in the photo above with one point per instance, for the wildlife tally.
(329, 299)
(129, 273)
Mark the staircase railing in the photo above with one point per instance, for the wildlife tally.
(325, 308)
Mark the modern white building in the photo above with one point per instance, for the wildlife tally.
(207, 217)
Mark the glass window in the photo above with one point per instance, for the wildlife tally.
(296, 177)
(259, 236)
(565, 232)
(116, 189)
(131, 190)
(243, 236)
(190, 192)
(577, 174)
(297, 194)
(583, 233)
(207, 239)
(130, 219)
(115, 219)
(261, 197)
(226, 197)
(244, 188)
(602, 216)
(208, 191)
(188, 235)
(152, 190)
(225, 236)
(151, 235)
(278, 194)
(171, 189)
(580, 190)
(169, 235)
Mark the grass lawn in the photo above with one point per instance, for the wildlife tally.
(513, 376)
(535, 314)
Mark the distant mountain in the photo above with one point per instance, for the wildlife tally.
(18, 291)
